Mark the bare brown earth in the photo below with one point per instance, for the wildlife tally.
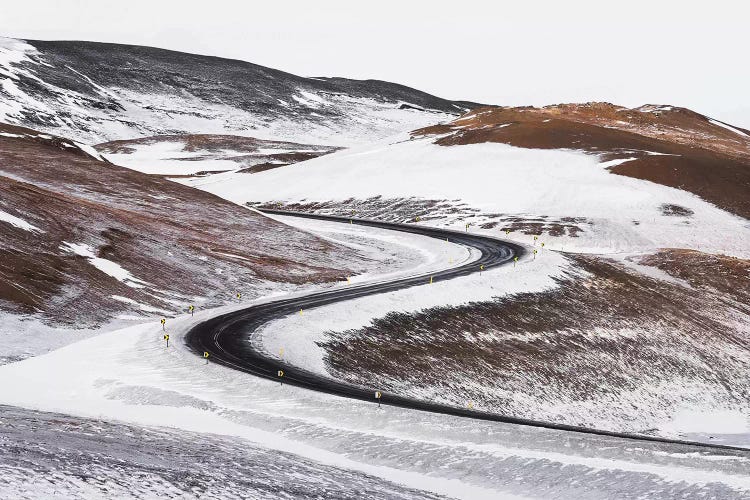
(608, 343)
(693, 153)
(254, 154)
(181, 243)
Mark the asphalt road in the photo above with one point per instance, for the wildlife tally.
(227, 337)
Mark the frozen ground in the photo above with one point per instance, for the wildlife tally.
(130, 376)
(50, 455)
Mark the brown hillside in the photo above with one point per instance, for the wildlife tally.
(671, 146)
(178, 243)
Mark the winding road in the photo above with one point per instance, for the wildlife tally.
(227, 337)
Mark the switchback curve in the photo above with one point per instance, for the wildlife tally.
(227, 337)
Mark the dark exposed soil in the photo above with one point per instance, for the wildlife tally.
(692, 153)
(182, 242)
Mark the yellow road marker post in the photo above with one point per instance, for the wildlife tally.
(535, 254)
(515, 259)
(191, 310)
(535, 238)
(163, 324)
(166, 337)
(378, 395)
(280, 374)
(430, 280)
(205, 355)
(481, 268)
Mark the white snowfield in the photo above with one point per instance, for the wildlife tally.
(624, 213)
(130, 375)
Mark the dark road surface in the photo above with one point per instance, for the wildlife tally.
(227, 337)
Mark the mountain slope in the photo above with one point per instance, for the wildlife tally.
(83, 241)
(668, 145)
(97, 92)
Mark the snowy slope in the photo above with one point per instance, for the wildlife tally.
(130, 376)
(498, 186)
(96, 92)
(84, 242)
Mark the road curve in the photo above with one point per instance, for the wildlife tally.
(227, 337)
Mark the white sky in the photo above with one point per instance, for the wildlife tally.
(692, 54)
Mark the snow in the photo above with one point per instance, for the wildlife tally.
(690, 421)
(89, 150)
(129, 375)
(624, 213)
(142, 307)
(169, 158)
(106, 266)
(728, 127)
(148, 112)
(614, 163)
(309, 99)
(18, 222)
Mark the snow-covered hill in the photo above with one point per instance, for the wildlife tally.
(639, 221)
(98, 92)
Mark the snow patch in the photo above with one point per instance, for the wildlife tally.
(18, 222)
(104, 265)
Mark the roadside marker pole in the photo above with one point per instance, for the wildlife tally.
(163, 322)
(481, 268)
(430, 280)
(280, 373)
(378, 395)
(205, 355)
(166, 337)
(191, 310)
(515, 259)
(535, 254)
